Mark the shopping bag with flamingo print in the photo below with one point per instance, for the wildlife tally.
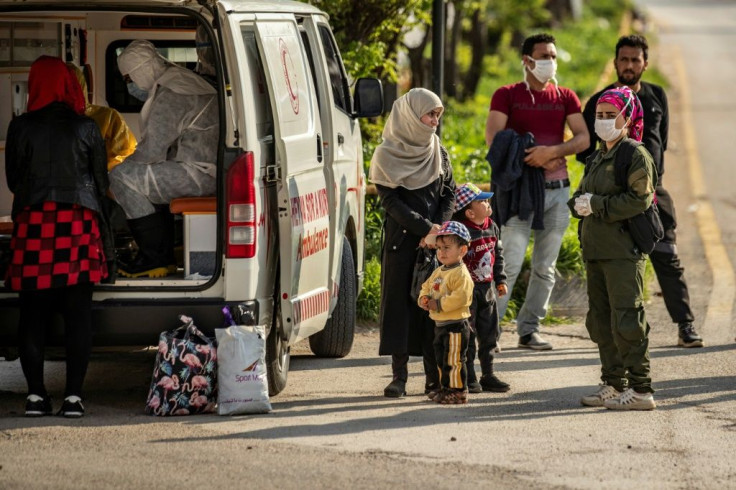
(184, 378)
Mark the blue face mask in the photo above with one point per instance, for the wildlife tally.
(137, 92)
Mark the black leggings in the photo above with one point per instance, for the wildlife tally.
(36, 312)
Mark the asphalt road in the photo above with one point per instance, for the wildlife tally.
(331, 428)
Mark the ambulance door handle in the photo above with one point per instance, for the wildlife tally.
(319, 148)
(340, 139)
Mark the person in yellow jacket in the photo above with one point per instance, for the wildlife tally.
(119, 139)
(447, 296)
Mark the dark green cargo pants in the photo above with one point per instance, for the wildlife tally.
(617, 324)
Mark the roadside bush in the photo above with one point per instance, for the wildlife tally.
(373, 228)
(370, 297)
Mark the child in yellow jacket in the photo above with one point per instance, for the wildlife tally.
(447, 295)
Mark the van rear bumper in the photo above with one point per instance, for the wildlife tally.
(129, 322)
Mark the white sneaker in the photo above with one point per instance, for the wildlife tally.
(631, 400)
(605, 392)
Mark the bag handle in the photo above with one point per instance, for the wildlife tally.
(191, 331)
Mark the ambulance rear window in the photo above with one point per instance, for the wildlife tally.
(154, 22)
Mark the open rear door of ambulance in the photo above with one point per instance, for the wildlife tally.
(303, 205)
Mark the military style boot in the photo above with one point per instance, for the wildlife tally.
(687, 336)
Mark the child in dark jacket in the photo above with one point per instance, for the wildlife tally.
(485, 262)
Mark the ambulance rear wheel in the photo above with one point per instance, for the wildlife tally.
(278, 355)
(336, 339)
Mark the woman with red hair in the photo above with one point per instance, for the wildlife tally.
(55, 166)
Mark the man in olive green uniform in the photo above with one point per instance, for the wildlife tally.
(615, 267)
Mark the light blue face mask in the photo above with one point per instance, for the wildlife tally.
(137, 92)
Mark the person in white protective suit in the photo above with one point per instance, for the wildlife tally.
(175, 156)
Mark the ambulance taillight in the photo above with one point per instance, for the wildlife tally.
(241, 208)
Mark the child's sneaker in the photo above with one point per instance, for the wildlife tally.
(38, 406)
(491, 383)
(452, 397)
(72, 407)
(605, 392)
(631, 400)
(434, 393)
(474, 387)
(472, 383)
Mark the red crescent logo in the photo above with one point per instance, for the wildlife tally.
(289, 76)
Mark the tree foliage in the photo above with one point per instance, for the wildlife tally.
(484, 27)
(369, 32)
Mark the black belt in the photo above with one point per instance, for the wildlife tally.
(557, 184)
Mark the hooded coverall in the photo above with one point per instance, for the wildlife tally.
(179, 131)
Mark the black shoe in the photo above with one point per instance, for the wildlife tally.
(152, 233)
(395, 389)
(491, 383)
(474, 387)
(38, 406)
(429, 387)
(687, 336)
(72, 408)
(141, 267)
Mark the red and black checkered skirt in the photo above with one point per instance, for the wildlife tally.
(55, 245)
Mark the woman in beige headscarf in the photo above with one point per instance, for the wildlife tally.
(413, 177)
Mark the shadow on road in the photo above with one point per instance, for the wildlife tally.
(416, 411)
(118, 383)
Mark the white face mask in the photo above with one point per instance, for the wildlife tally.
(544, 70)
(606, 128)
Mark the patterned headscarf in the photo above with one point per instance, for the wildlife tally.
(624, 99)
(49, 81)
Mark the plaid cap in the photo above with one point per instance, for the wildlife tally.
(451, 228)
(467, 193)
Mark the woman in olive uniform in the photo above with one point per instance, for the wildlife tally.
(615, 266)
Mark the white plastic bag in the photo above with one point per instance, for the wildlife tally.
(241, 370)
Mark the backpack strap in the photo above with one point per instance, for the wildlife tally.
(588, 160)
(624, 154)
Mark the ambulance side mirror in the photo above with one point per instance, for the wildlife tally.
(368, 98)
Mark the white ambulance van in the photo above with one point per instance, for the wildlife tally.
(282, 239)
